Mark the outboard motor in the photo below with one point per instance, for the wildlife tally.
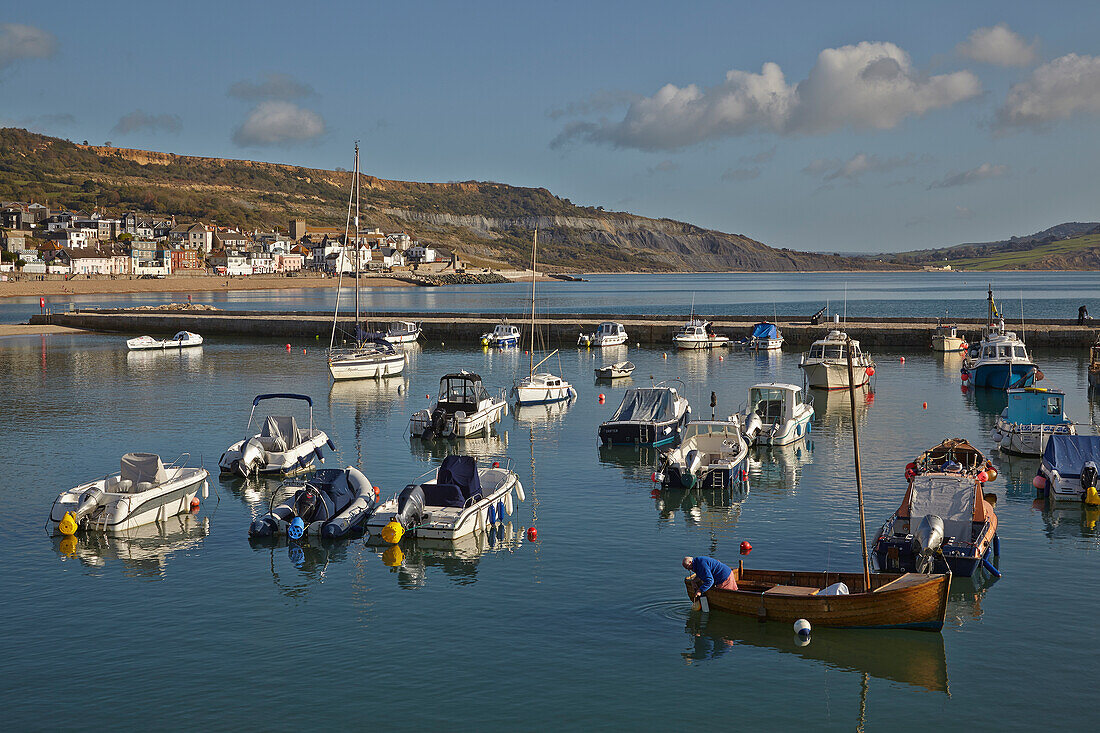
(1088, 483)
(89, 500)
(252, 454)
(306, 504)
(927, 541)
(753, 425)
(410, 512)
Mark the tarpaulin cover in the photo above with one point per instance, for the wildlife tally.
(765, 331)
(951, 497)
(646, 405)
(281, 427)
(138, 467)
(1068, 453)
(461, 471)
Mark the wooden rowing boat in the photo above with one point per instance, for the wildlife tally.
(895, 601)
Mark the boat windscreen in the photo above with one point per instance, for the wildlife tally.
(1068, 453)
(462, 390)
(950, 497)
(765, 331)
(646, 405)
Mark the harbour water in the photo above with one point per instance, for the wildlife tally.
(187, 625)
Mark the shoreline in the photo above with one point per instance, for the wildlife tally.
(24, 329)
(189, 284)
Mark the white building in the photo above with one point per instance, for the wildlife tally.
(421, 253)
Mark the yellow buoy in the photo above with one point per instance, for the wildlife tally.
(67, 525)
(393, 557)
(1092, 498)
(393, 532)
(68, 546)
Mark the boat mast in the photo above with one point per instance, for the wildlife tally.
(356, 247)
(339, 265)
(991, 308)
(859, 475)
(534, 259)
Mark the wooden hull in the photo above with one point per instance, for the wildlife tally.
(914, 602)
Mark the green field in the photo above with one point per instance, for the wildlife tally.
(1042, 256)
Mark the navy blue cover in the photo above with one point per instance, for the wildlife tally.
(462, 472)
(1068, 453)
(443, 495)
(765, 331)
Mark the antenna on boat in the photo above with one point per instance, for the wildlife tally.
(859, 474)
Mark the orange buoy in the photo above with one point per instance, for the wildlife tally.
(746, 547)
(532, 534)
(924, 405)
(195, 503)
(496, 464)
(303, 351)
(721, 358)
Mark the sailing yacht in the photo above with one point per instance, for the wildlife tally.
(540, 388)
(368, 358)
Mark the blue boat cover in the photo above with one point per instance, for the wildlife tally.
(652, 404)
(461, 471)
(765, 331)
(1068, 453)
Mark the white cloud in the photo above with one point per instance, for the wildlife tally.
(1054, 91)
(603, 100)
(869, 85)
(138, 121)
(272, 86)
(832, 169)
(278, 123)
(981, 173)
(19, 41)
(998, 45)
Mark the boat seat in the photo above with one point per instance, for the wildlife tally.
(273, 443)
(446, 495)
(118, 485)
(791, 590)
(141, 486)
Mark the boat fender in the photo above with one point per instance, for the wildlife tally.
(519, 492)
(508, 503)
(492, 515)
(990, 566)
(296, 528)
(802, 628)
(500, 510)
(331, 445)
(1039, 482)
(996, 545)
(302, 462)
(320, 456)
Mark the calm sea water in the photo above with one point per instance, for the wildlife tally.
(187, 626)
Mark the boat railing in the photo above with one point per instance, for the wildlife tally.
(180, 462)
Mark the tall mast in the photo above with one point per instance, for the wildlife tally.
(859, 475)
(339, 264)
(534, 259)
(990, 304)
(356, 246)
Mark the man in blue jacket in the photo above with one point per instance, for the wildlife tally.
(709, 573)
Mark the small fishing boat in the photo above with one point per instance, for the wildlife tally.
(464, 408)
(502, 336)
(698, 334)
(607, 333)
(280, 446)
(712, 454)
(461, 497)
(776, 414)
(946, 338)
(945, 520)
(143, 491)
(825, 366)
(1001, 360)
(182, 340)
(331, 503)
(1094, 364)
(1068, 471)
(1032, 415)
(401, 332)
(647, 416)
(765, 336)
(615, 371)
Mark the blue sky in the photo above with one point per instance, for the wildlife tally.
(821, 126)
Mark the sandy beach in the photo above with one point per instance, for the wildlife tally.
(22, 329)
(24, 288)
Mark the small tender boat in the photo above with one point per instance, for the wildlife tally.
(279, 447)
(182, 340)
(776, 414)
(647, 416)
(893, 600)
(540, 388)
(1032, 415)
(1068, 471)
(401, 332)
(826, 364)
(331, 503)
(460, 498)
(698, 334)
(143, 491)
(463, 409)
(370, 359)
(712, 454)
(765, 336)
(607, 333)
(503, 335)
(946, 337)
(1001, 360)
(616, 370)
(1094, 364)
(944, 521)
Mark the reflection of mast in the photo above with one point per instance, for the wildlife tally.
(864, 683)
(534, 494)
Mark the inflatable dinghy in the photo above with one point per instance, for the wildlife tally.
(330, 503)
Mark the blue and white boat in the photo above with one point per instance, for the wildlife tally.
(1069, 469)
(765, 336)
(652, 416)
(1001, 360)
(776, 414)
(712, 454)
(502, 336)
(1033, 415)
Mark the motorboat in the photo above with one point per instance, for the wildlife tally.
(945, 520)
(776, 414)
(1094, 365)
(946, 338)
(1068, 471)
(331, 503)
(182, 340)
(464, 408)
(712, 454)
(143, 491)
(698, 334)
(765, 336)
(1032, 415)
(607, 333)
(502, 336)
(280, 446)
(461, 497)
(370, 359)
(1001, 360)
(615, 371)
(825, 365)
(647, 416)
(401, 332)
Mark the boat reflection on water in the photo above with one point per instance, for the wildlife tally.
(256, 491)
(900, 656)
(964, 600)
(988, 403)
(143, 551)
(1071, 521)
(950, 363)
(492, 446)
(776, 470)
(697, 363)
(414, 558)
(545, 414)
(703, 508)
(833, 409)
(1014, 474)
(185, 360)
(309, 560)
(636, 462)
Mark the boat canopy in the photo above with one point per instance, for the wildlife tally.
(707, 427)
(610, 327)
(1068, 453)
(774, 402)
(282, 396)
(282, 430)
(1035, 406)
(956, 498)
(765, 331)
(462, 389)
(138, 467)
(647, 404)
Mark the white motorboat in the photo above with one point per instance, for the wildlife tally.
(502, 336)
(1032, 416)
(946, 338)
(331, 503)
(463, 409)
(652, 416)
(401, 332)
(615, 371)
(698, 334)
(143, 491)
(712, 454)
(826, 364)
(279, 447)
(1001, 360)
(462, 497)
(607, 333)
(1069, 469)
(765, 336)
(776, 414)
(182, 340)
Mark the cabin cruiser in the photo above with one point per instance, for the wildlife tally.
(698, 334)
(279, 447)
(540, 388)
(1001, 361)
(607, 333)
(462, 497)
(331, 503)
(1032, 415)
(615, 371)
(825, 366)
(647, 416)
(711, 454)
(944, 517)
(463, 409)
(765, 337)
(401, 332)
(1068, 471)
(181, 340)
(946, 337)
(776, 414)
(503, 335)
(370, 359)
(143, 491)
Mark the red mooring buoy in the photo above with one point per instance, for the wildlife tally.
(532, 534)
(746, 547)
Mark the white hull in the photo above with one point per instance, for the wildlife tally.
(277, 461)
(147, 343)
(834, 375)
(366, 367)
(947, 343)
(766, 344)
(789, 432)
(690, 343)
(451, 523)
(120, 512)
(1026, 440)
(466, 427)
(405, 338)
(535, 390)
(601, 341)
